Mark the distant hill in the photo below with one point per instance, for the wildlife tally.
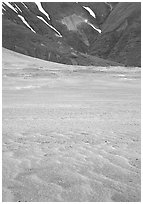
(81, 33)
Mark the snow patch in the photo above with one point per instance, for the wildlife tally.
(125, 78)
(17, 8)
(90, 11)
(59, 34)
(42, 44)
(97, 29)
(25, 22)
(27, 87)
(3, 7)
(42, 10)
(121, 75)
(9, 5)
(24, 5)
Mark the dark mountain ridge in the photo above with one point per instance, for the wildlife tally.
(67, 32)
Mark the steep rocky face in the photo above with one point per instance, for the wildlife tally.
(62, 31)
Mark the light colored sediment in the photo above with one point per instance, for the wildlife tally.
(75, 136)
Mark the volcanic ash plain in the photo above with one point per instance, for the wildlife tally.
(70, 133)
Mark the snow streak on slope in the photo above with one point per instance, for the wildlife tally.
(41, 9)
(3, 9)
(9, 5)
(90, 11)
(25, 22)
(59, 34)
(17, 8)
(24, 5)
(97, 29)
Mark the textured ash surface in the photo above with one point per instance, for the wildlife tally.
(70, 133)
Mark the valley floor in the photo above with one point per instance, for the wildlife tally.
(70, 133)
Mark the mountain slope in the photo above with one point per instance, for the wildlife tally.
(121, 35)
(61, 31)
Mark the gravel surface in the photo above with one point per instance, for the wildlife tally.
(70, 133)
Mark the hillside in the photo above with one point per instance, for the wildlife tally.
(121, 35)
(70, 33)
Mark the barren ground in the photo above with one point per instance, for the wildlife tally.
(70, 133)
